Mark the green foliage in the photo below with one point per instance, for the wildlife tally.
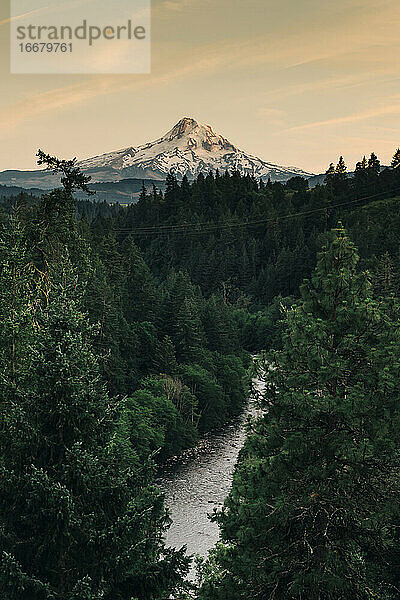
(171, 310)
(212, 405)
(79, 517)
(155, 420)
(72, 177)
(396, 159)
(17, 304)
(312, 509)
(75, 517)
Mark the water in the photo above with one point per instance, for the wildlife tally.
(198, 482)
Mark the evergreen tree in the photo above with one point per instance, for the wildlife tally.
(54, 226)
(330, 174)
(340, 182)
(103, 301)
(373, 171)
(396, 159)
(341, 168)
(361, 176)
(165, 358)
(374, 165)
(17, 303)
(218, 326)
(76, 521)
(143, 193)
(188, 333)
(140, 302)
(311, 507)
(386, 277)
(362, 165)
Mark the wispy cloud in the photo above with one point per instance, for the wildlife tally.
(273, 116)
(44, 103)
(175, 5)
(295, 70)
(211, 59)
(206, 60)
(353, 118)
(23, 16)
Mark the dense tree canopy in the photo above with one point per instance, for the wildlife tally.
(312, 511)
(125, 334)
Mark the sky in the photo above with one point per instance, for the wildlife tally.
(295, 82)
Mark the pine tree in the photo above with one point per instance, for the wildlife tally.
(17, 303)
(373, 171)
(396, 159)
(103, 295)
(315, 489)
(218, 326)
(386, 277)
(140, 302)
(143, 193)
(361, 176)
(374, 165)
(172, 195)
(54, 226)
(75, 520)
(362, 165)
(165, 357)
(187, 334)
(341, 168)
(340, 177)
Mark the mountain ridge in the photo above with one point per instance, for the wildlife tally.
(189, 148)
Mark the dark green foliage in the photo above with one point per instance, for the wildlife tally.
(175, 287)
(141, 301)
(72, 178)
(396, 159)
(154, 423)
(212, 404)
(263, 329)
(330, 174)
(165, 357)
(76, 517)
(314, 498)
(79, 517)
(17, 306)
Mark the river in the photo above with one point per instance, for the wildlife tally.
(197, 482)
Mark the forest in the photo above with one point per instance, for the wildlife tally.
(127, 333)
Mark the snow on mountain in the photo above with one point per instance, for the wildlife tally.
(188, 149)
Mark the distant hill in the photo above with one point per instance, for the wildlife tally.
(126, 191)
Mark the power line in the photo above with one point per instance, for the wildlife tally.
(208, 227)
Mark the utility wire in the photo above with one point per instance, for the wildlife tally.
(200, 228)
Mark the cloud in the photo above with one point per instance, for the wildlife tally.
(17, 17)
(210, 60)
(353, 118)
(175, 5)
(274, 116)
(181, 61)
(205, 60)
(38, 104)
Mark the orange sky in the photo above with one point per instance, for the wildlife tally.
(296, 82)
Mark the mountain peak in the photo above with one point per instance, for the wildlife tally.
(189, 134)
(189, 148)
(184, 127)
(187, 123)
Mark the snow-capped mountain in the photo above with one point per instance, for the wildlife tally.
(188, 149)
